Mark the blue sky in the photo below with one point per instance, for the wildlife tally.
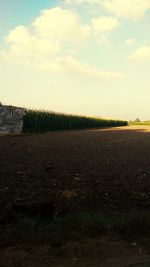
(76, 56)
(14, 12)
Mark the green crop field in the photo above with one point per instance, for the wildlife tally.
(42, 121)
(139, 123)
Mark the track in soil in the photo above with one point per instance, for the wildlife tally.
(104, 169)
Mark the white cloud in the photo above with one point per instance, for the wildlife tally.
(89, 2)
(128, 9)
(141, 54)
(63, 25)
(19, 35)
(49, 44)
(102, 24)
(29, 50)
(72, 66)
(54, 31)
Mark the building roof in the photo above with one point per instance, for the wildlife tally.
(12, 107)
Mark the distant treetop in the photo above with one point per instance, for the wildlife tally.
(137, 120)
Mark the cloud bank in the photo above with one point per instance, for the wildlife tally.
(141, 54)
(127, 9)
(47, 43)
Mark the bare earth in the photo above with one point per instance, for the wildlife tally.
(106, 169)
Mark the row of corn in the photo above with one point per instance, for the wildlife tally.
(42, 121)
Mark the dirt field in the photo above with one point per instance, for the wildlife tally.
(91, 169)
(102, 170)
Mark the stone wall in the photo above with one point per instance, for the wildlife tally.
(11, 119)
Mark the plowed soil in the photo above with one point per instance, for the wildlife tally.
(103, 169)
(106, 169)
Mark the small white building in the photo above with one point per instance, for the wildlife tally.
(11, 119)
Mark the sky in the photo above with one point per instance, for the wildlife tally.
(86, 57)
